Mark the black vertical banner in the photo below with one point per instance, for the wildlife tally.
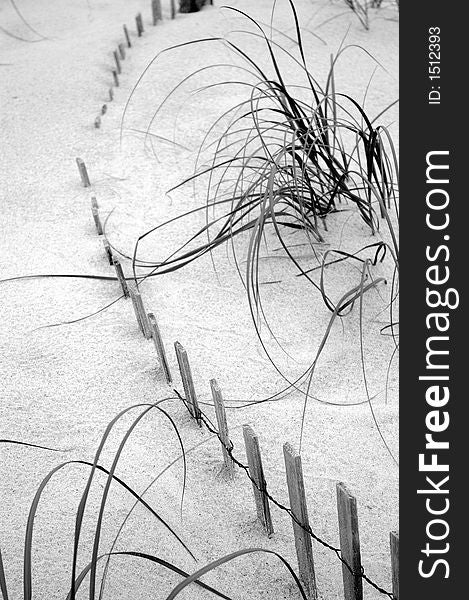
(433, 332)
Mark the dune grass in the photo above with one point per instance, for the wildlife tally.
(90, 571)
(279, 167)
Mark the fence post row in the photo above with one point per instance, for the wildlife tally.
(159, 346)
(349, 543)
(222, 426)
(256, 471)
(192, 404)
(303, 543)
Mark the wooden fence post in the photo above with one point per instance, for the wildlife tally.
(349, 543)
(83, 172)
(256, 471)
(115, 77)
(173, 9)
(117, 61)
(121, 277)
(187, 382)
(140, 313)
(97, 220)
(394, 542)
(107, 248)
(111, 94)
(303, 543)
(139, 22)
(136, 310)
(127, 36)
(159, 346)
(121, 48)
(222, 426)
(156, 11)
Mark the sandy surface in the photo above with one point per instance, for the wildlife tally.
(63, 384)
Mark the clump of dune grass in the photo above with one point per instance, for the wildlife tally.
(89, 573)
(361, 8)
(280, 167)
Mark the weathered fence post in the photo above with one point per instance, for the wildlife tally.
(95, 213)
(349, 543)
(159, 346)
(256, 471)
(127, 36)
(303, 543)
(139, 23)
(107, 249)
(97, 220)
(156, 11)
(140, 313)
(394, 543)
(111, 94)
(222, 426)
(173, 9)
(117, 61)
(136, 310)
(121, 277)
(83, 172)
(187, 382)
(115, 77)
(121, 48)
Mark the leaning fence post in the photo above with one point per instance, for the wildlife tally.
(115, 77)
(107, 248)
(127, 36)
(121, 277)
(95, 213)
(349, 543)
(256, 471)
(159, 346)
(121, 48)
(97, 220)
(300, 520)
(222, 426)
(135, 306)
(117, 61)
(139, 23)
(83, 172)
(187, 382)
(140, 313)
(394, 542)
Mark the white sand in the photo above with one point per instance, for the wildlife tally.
(62, 385)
